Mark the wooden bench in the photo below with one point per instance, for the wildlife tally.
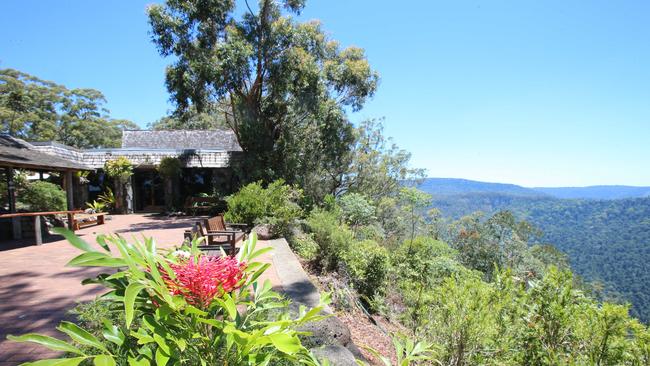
(83, 220)
(37, 221)
(194, 205)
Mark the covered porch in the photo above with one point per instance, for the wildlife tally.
(16, 154)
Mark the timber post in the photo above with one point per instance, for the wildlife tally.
(11, 195)
(69, 192)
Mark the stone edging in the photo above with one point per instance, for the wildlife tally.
(330, 338)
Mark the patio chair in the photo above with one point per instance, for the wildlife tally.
(226, 240)
(218, 223)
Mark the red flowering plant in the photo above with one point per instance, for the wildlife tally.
(200, 279)
(190, 309)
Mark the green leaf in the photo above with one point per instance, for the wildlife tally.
(139, 362)
(56, 362)
(73, 239)
(259, 272)
(104, 360)
(229, 305)
(257, 253)
(49, 342)
(162, 343)
(161, 358)
(142, 336)
(286, 343)
(96, 259)
(112, 333)
(101, 240)
(80, 335)
(130, 294)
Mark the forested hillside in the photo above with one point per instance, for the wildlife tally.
(607, 241)
(596, 192)
(445, 186)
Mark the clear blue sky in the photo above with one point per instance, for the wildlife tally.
(538, 93)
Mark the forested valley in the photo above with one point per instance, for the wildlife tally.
(607, 241)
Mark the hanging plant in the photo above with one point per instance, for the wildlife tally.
(169, 167)
(120, 169)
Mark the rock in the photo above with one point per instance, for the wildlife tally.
(327, 332)
(337, 355)
(263, 232)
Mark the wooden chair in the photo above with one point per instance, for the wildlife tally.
(217, 223)
(226, 240)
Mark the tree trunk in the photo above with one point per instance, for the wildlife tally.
(119, 197)
(169, 193)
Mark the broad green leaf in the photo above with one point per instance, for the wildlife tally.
(161, 358)
(162, 343)
(259, 272)
(181, 343)
(95, 259)
(142, 336)
(138, 362)
(286, 343)
(73, 239)
(130, 294)
(49, 342)
(56, 362)
(229, 305)
(258, 253)
(112, 333)
(191, 310)
(80, 335)
(213, 322)
(116, 275)
(101, 240)
(104, 360)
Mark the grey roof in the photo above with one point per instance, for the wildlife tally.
(20, 154)
(181, 140)
(55, 144)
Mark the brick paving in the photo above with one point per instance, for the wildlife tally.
(37, 290)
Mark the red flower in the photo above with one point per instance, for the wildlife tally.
(202, 279)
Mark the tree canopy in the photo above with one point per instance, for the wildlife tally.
(39, 110)
(282, 86)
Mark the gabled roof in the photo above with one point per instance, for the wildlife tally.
(20, 154)
(224, 140)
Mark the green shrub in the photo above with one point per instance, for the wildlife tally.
(370, 232)
(276, 205)
(44, 196)
(368, 265)
(426, 262)
(96, 206)
(120, 169)
(107, 199)
(305, 246)
(169, 167)
(331, 237)
(356, 210)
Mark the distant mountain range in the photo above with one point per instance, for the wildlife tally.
(597, 192)
(454, 186)
(605, 230)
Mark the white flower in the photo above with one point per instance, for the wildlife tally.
(181, 254)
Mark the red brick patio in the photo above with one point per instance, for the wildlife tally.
(37, 290)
